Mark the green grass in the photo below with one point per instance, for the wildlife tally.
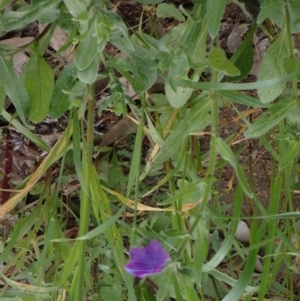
(167, 182)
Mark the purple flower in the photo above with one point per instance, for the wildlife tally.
(147, 260)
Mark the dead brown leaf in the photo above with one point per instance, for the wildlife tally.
(59, 39)
(17, 42)
(121, 129)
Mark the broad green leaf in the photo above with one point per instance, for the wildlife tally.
(193, 121)
(19, 19)
(178, 64)
(141, 62)
(160, 47)
(228, 155)
(290, 153)
(75, 7)
(144, 68)
(161, 223)
(293, 119)
(266, 7)
(119, 32)
(49, 15)
(270, 118)
(115, 174)
(167, 281)
(172, 38)
(87, 48)
(198, 56)
(215, 11)
(243, 56)
(3, 3)
(295, 20)
(190, 192)
(275, 11)
(38, 78)
(180, 97)
(272, 67)
(165, 10)
(65, 21)
(218, 61)
(59, 102)
(14, 89)
(291, 65)
(193, 37)
(89, 74)
(295, 5)
(112, 292)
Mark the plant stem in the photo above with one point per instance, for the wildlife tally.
(137, 155)
(290, 43)
(87, 155)
(211, 167)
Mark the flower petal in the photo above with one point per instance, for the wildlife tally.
(147, 260)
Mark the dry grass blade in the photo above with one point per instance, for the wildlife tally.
(55, 153)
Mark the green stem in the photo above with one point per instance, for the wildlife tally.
(177, 290)
(138, 153)
(85, 204)
(290, 44)
(211, 167)
(288, 29)
(90, 123)
(213, 147)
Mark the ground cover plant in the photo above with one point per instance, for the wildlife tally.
(149, 150)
